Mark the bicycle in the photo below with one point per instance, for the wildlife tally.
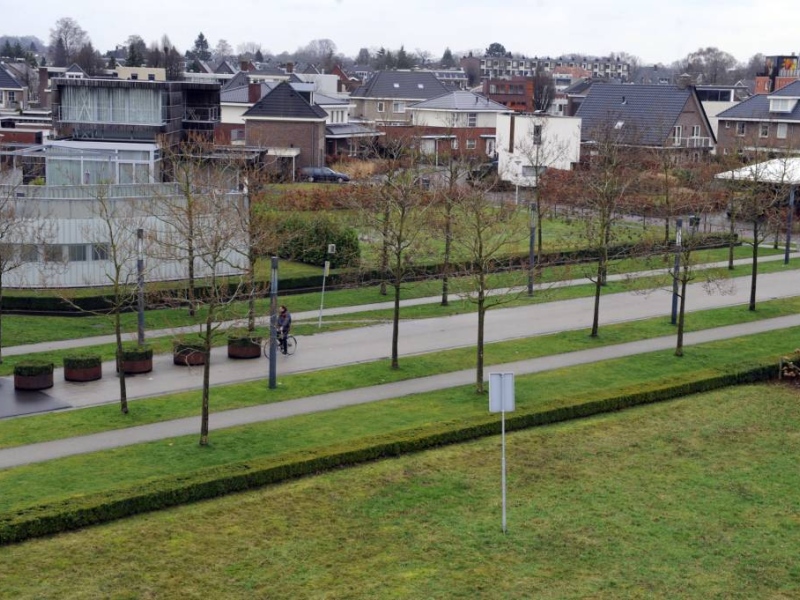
(291, 345)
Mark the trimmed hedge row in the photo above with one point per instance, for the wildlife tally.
(75, 513)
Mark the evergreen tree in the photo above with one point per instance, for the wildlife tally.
(60, 54)
(363, 57)
(403, 60)
(259, 57)
(18, 52)
(200, 50)
(448, 62)
(6, 51)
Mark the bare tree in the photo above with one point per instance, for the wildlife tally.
(71, 36)
(486, 232)
(398, 216)
(605, 181)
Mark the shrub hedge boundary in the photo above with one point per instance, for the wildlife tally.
(75, 513)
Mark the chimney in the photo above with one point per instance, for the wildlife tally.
(253, 92)
(244, 65)
(290, 67)
(683, 81)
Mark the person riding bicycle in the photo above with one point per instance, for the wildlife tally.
(284, 326)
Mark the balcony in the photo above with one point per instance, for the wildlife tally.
(201, 114)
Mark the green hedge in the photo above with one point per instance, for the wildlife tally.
(74, 513)
(82, 361)
(33, 367)
(137, 352)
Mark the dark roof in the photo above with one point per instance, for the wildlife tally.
(284, 102)
(757, 107)
(7, 80)
(408, 85)
(226, 68)
(75, 68)
(643, 114)
(237, 80)
(582, 86)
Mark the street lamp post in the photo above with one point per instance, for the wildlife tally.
(789, 225)
(273, 323)
(325, 271)
(676, 272)
(140, 283)
(532, 247)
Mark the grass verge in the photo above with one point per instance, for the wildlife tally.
(694, 498)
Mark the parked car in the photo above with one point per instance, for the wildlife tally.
(322, 174)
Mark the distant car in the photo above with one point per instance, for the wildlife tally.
(322, 174)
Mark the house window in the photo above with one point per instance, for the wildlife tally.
(151, 77)
(398, 107)
(472, 119)
(53, 253)
(29, 253)
(12, 97)
(99, 251)
(781, 130)
(492, 88)
(470, 144)
(741, 128)
(76, 252)
(763, 130)
(727, 124)
(381, 107)
(454, 144)
(782, 105)
(676, 135)
(695, 131)
(537, 134)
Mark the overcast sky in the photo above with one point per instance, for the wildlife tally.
(660, 31)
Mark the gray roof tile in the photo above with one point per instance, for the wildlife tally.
(757, 107)
(286, 103)
(408, 85)
(463, 101)
(647, 113)
(7, 81)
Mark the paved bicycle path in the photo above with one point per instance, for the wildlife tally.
(34, 453)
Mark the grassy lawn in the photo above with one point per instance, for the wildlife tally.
(694, 498)
(51, 426)
(129, 465)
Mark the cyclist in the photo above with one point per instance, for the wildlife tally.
(284, 326)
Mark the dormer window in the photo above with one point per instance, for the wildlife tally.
(782, 105)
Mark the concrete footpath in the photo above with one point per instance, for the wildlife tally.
(418, 336)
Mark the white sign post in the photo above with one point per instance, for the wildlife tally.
(501, 400)
(325, 271)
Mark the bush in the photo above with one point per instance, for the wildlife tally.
(305, 238)
(32, 368)
(187, 345)
(137, 353)
(82, 361)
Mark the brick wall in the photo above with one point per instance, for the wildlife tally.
(308, 136)
(731, 142)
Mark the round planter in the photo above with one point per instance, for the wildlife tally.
(137, 366)
(33, 382)
(244, 348)
(83, 373)
(188, 357)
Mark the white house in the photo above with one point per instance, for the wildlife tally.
(528, 144)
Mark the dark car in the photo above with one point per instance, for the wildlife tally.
(322, 174)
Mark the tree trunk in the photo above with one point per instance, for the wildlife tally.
(207, 342)
(481, 325)
(598, 286)
(681, 314)
(754, 271)
(123, 390)
(251, 284)
(385, 252)
(448, 234)
(539, 239)
(731, 243)
(396, 326)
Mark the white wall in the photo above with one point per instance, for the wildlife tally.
(560, 145)
(449, 119)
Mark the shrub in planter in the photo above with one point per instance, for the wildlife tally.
(33, 375)
(83, 367)
(137, 359)
(243, 345)
(188, 352)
